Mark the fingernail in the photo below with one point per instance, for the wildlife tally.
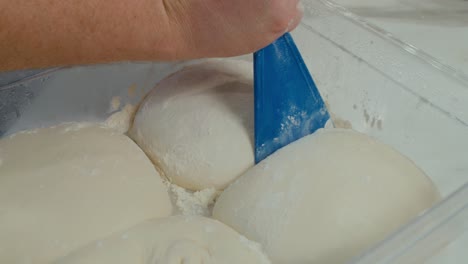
(291, 22)
(300, 7)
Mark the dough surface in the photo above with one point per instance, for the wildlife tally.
(65, 186)
(325, 198)
(197, 124)
(173, 240)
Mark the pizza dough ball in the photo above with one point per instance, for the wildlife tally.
(178, 239)
(325, 198)
(197, 125)
(65, 186)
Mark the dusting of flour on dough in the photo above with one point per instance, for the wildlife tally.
(121, 120)
(73, 126)
(193, 203)
(114, 104)
(336, 121)
(256, 247)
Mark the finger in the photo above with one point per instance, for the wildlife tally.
(285, 15)
(295, 21)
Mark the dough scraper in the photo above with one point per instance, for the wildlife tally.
(288, 105)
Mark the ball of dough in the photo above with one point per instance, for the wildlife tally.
(65, 186)
(197, 125)
(325, 198)
(173, 240)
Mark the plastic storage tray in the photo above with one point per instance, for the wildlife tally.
(371, 82)
(436, 26)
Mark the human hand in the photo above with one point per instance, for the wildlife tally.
(224, 28)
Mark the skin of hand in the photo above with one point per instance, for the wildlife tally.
(47, 33)
(222, 28)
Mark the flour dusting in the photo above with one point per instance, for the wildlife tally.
(193, 203)
(121, 120)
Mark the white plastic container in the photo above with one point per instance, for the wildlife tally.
(371, 81)
(438, 27)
